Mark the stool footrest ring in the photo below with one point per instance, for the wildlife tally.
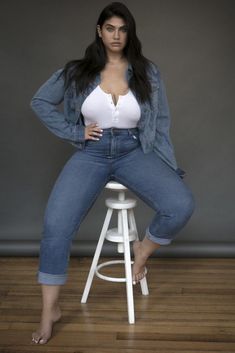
(108, 278)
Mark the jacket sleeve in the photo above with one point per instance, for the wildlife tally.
(44, 104)
(165, 145)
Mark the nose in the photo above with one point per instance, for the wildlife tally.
(116, 33)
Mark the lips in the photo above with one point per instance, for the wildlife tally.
(116, 43)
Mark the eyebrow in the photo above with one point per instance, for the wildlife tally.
(109, 24)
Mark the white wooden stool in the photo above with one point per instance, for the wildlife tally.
(125, 232)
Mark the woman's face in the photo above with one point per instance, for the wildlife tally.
(113, 31)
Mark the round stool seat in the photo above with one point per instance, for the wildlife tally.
(114, 236)
(120, 205)
(114, 185)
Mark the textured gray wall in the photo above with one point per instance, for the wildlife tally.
(193, 44)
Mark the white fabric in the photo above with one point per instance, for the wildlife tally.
(99, 108)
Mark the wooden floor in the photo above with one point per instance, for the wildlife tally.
(191, 308)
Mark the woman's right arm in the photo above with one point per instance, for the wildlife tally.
(44, 104)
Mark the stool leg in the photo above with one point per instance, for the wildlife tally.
(132, 223)
(97, 255)
(129, 286)
(143, 281)
(120, 245)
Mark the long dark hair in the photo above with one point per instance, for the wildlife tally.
(84, 70)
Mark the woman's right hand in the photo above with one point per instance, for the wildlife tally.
(92, 132)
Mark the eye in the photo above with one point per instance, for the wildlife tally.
(109, 29)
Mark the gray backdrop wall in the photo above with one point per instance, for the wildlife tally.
(193, 44)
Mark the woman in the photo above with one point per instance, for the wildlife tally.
(116, 114)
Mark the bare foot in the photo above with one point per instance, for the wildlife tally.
(48, 318)
(138, 270)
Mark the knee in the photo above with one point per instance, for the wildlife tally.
(51, 229)
(185, 207)
(55, 228)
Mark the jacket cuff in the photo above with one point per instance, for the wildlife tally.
(79, 133)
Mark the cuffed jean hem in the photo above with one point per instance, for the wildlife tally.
(160, 241)
(47, 278)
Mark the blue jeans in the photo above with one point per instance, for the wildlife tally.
(116, 156)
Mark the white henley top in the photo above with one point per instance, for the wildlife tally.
(99, 108)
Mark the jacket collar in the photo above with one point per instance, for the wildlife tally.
(129, 71)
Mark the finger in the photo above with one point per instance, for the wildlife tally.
(94, 126)
(96, 132)
(92, 137)
(97, 129)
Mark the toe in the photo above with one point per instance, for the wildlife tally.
(141, 275)
(35, 338)
(133, 279)
(42, 341)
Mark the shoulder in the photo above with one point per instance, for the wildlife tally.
(153, 68)
(55, 77)
(58, 74)
(63, 74)
(58, 78)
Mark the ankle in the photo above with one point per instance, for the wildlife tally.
(51, 307)
(148, 247)
(143, 251)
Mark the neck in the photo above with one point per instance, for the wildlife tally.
(115, 58)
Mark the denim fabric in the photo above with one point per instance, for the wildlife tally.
(154, 124)
(118, 156)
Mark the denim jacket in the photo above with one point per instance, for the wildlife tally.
(153, 125)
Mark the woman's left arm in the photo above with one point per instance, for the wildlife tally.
(163, 143)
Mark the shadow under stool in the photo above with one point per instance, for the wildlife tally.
(123, 234)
